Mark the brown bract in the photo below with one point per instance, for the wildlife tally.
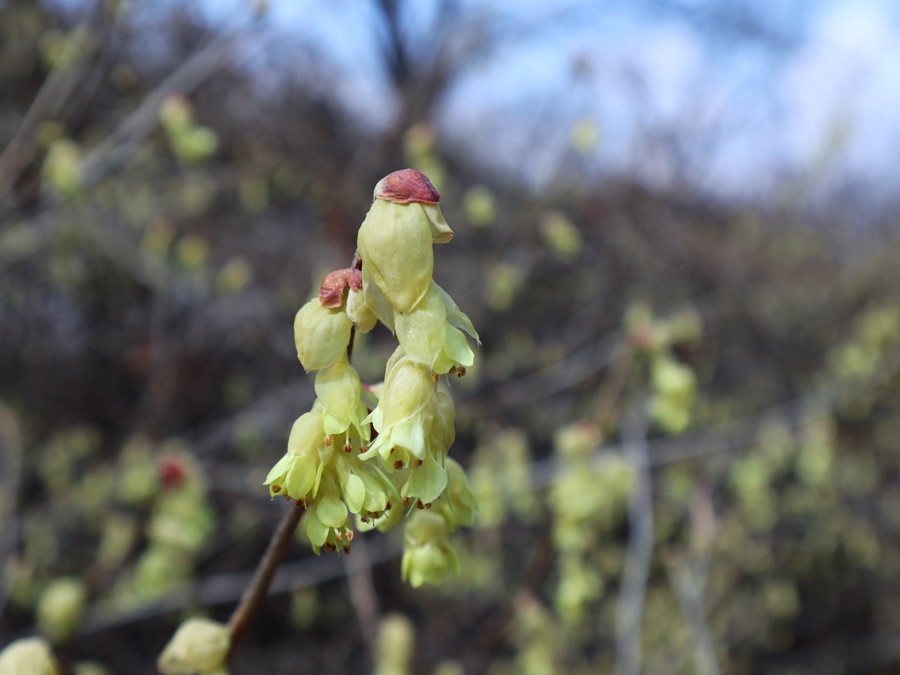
(332, 291)
(407, 186)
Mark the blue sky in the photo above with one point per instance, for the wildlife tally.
(825, 108)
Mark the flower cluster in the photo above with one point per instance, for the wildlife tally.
(367, 456)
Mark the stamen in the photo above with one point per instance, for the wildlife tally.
(398, 464)
(328, 440)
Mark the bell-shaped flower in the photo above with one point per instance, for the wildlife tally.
(325, 473)
(428, 479)
(403, 410)
(321, 334)
(198, 646)
(427, 555)
(28, 655)
(339, 390)
(427, 336)
(344, 485)
(460, 506)
(294, 475)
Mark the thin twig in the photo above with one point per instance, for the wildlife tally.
(256, 592)
(196, 70)
(688, 589)
(11, 446)
(638, 554)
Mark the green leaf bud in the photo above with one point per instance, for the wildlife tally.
(60, 608)
(198, 646)
(427, 555)
(321, 335)
(28, 656)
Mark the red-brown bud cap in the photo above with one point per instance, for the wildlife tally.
(407, 186)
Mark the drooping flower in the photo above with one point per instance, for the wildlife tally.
(428, 556)
(427, 335)
(403, 411)
(339, 390)
(324, 472)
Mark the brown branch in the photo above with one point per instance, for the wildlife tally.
(258, 588)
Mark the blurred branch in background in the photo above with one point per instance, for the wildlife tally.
(636, 567)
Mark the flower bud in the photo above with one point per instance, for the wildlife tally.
(321, 335)
(60, 608)
(198, 646)
(395, 245)
(28, 656)
(394, 646)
